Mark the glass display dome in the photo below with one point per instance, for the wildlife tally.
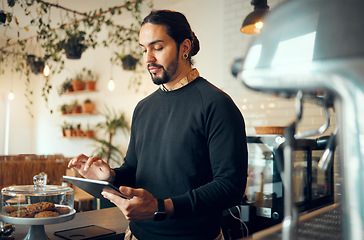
(36, 201)
(37, 205)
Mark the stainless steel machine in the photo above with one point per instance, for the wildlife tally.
(313, 50)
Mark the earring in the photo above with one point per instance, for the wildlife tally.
(185, 56)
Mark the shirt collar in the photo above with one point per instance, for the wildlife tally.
(184, 81)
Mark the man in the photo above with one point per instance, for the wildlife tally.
(187, 157)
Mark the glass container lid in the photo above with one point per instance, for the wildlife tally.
(37, 189)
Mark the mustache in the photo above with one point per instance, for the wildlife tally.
(154, 65)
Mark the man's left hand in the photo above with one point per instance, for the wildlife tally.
(141, 207)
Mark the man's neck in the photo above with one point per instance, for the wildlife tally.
(181, 75)
(191, 76)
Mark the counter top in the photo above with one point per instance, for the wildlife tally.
(110, 218)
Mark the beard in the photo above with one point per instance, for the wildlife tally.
(167, 73)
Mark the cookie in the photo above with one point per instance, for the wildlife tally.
(22, 214)
(46, 214)
(62, 210)
(41, 206)
(13, 208)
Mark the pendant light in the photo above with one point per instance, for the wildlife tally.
(46, 70)
(111, 83)
(253, 23)
(11, 95)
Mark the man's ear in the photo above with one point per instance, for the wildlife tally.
(185, 46)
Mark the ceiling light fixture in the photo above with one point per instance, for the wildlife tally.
(253, 23)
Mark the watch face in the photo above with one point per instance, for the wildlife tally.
(159, 216)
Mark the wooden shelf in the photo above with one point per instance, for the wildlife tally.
(79, 114)
(80, 91)
(76, 137)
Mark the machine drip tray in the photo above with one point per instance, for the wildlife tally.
(322, 224)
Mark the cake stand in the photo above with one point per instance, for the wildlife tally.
(36, 230)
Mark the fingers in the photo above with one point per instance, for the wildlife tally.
(141, 207)
(128, 191)
(80, 159)
(118, 201)
(95, 160)
(85, 161)
(92, 168)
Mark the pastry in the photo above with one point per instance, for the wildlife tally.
(41, 206)
(46, 214)
(62, 210)
(13, 208)
(22, 214)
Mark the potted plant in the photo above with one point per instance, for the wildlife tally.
(36, 64)
(65, 126)
(84, 79)
(88, 106)
(89, 77)
(79, 132)
(78, 84)
(129, 62)
(69, 109)
(65, 87)
(76, 108)
(63, 108)
(2, 17)
(75, 43)
(91, 85)
(68, 129)
(89, 132)
(112, 124)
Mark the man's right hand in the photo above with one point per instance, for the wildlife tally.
(91, 168)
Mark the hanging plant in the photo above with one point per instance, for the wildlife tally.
(129, 62)
(57, 38)
(74, 50)
(28, 94)
(2, 17)
(36, 64)
(47, 87)
(74, 44)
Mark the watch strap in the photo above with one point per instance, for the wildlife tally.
(161, 207)
(160, 214)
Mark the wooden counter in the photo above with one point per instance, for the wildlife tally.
(111, 218)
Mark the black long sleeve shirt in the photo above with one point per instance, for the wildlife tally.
(188, 145)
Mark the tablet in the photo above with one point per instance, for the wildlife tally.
(95, 187)
(87, 232)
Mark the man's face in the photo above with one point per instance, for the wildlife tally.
(159, 53)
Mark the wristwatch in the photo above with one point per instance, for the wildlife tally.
(160, 214)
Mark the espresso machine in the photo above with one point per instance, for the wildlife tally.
(313, 50)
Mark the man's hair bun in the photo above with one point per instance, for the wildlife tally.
(195, 45)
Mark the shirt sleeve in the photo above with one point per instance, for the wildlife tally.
(125, 175)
